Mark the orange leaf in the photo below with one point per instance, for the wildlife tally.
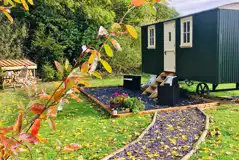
(8, 16)
(37, 108)
(36, 127)
(28, 137)
(84, 67)
(5, 130)
(52, 124)
(24, 3)
(73, 96)
(72, 147)
(137, 3)
(18, 125)
(52, 112)
(59, 93)
(43, 140)
(69, 83)
(59, 67)
(116, 44)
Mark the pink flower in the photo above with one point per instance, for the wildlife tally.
(116, 94)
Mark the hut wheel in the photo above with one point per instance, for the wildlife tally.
(202, 89)
(188, 82)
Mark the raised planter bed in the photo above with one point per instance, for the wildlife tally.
(101, 96)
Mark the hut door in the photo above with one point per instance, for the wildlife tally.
(169, 47)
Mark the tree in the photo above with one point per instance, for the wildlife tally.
(15, 139)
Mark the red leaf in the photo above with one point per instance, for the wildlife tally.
(72, 147)
(28, 137)
(5, 130)
(37, 108)
(52, 124)
(52, 112)
(36, 127)
(137, 3)
(59, 67)
(18, 125)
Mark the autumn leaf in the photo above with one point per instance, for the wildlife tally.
(36, 126)
(73, 96)
(91, 59)
(31, 2)
(52, 112)
(59, 93)
(5, 130)
(106, 66)
(28, 137)
(37, 108)
(97, 74)
(59, 67)
(132, 31)
(8, 16)
(52, 124)
(43, 140)
(108, 50)
(72, 147)
(67, 63)
(116, 44)
(137, 3)
(84, 67)
(24, 3)
(18, 125)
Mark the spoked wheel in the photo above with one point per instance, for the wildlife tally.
(202, 89)
(188, 83)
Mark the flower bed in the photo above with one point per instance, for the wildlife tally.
(103, 96)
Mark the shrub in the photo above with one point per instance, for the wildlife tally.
(134, 104)
(48, 72)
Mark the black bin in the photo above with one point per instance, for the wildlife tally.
(169, 94)
(132, 82)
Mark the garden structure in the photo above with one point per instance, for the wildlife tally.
(15, 73)
(198, 47)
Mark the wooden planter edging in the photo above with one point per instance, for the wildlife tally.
(137, 140)
(210, 104)
(200, 140)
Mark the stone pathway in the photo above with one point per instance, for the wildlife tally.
(170, 138)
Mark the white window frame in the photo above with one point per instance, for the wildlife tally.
(150, 39)
(183, 33)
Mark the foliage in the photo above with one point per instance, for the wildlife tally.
(134, 104)
(48, 72)
(11, 39)
(43, 106)
(117, 101)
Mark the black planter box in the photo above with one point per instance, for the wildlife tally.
(132, 82)
(168, 95)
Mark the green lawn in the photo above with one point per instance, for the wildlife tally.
(82, 123)
(99, 135)
(222, 142)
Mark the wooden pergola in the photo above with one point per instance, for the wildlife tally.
(16, 72)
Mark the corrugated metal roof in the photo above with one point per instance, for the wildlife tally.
(219, 7)
(16, 63)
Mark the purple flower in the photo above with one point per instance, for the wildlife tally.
(116, 94)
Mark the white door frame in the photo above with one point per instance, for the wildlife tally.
(170, 46)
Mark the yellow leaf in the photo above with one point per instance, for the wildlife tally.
(31, 2)
(91, 59)
(6, 2)
(8, 16)
(24, 3)
(84, 83)
(106, 66)
(43, 140)
(17, 1)
(67, 64)
(108, 50)
(97, 74)
(132, 31)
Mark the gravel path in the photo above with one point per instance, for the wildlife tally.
(171, 137)
(104, 94)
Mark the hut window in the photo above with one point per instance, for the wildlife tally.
(186, 32)
(151, 37)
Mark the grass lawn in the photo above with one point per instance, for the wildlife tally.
(82, 123)
(222, 142)
(88, 125)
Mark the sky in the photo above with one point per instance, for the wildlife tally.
(185, 7)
